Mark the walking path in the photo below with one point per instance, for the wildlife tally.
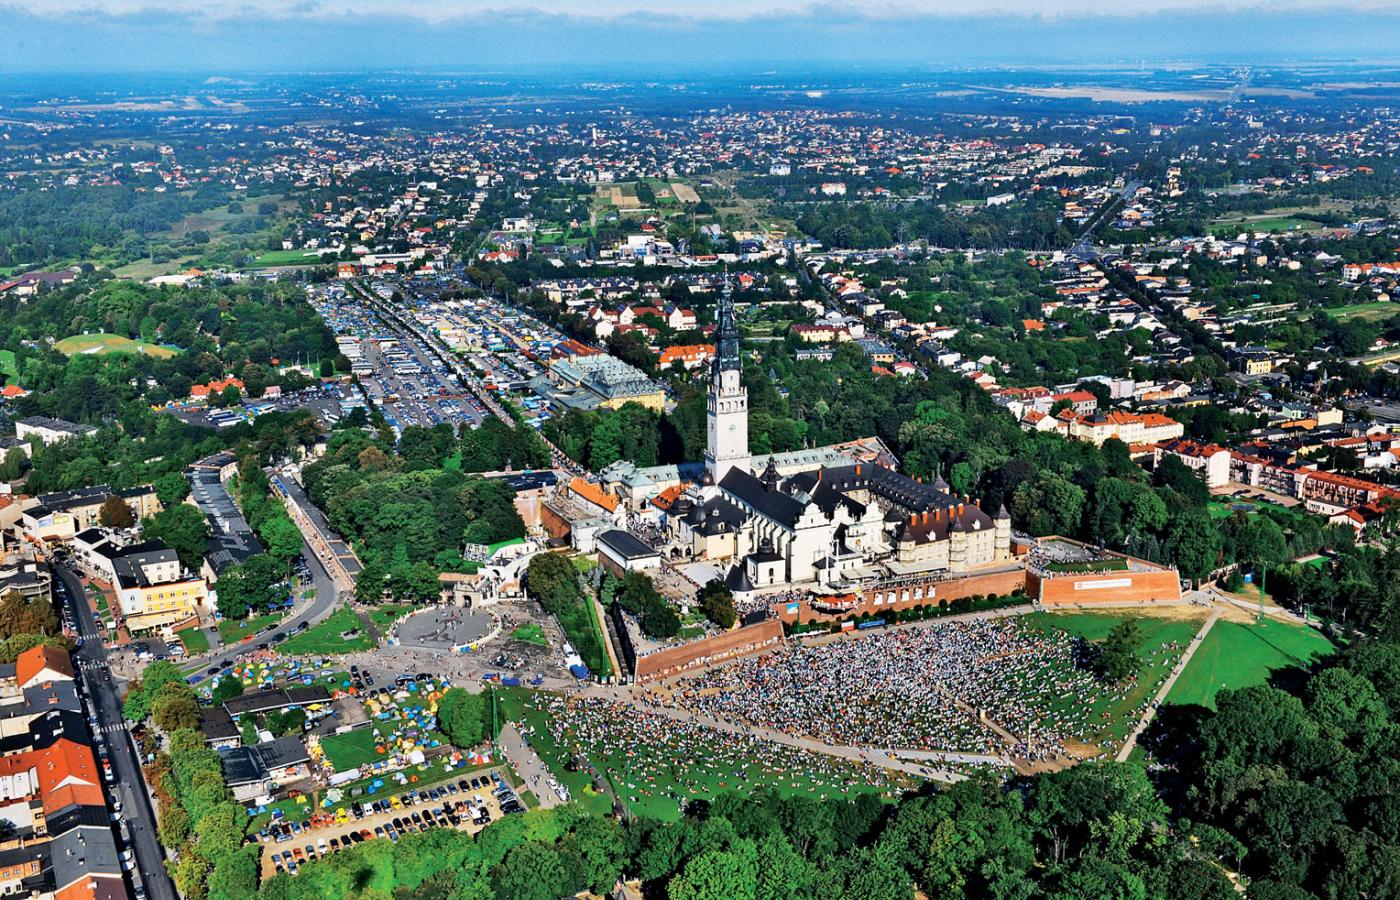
(527, 765)
(606, 634)
(1151, 711)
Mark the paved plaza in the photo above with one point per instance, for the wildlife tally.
(444, 628)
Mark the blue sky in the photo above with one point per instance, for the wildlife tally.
(303, 35)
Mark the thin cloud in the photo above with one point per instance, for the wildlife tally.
(442, 11)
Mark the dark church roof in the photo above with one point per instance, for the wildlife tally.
(882, 481)
(773, 504)
(715, 516)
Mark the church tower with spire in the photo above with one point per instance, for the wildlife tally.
(727, 408)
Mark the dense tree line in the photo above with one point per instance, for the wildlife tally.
(1293, 783)
(1097, 830)
(59, 224)
(409, 511)
(246, 331)
(1032, 224)
(552, 581)
(598, 438)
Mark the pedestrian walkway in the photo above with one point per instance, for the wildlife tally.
(527, 765)
(1151, 712)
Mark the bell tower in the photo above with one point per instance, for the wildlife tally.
(727, 407)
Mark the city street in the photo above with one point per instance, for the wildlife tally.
(104, 702)
(319, 608)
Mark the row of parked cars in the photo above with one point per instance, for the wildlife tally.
(438, 810)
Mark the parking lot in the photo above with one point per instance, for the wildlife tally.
(469, 803)
(402, 377)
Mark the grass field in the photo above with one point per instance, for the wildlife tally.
(195, 640)
(110, 343)
(325, 639)
(231, 631)
(530, 633)
(7, 365)
(1234, 655)
(652, 777)
(288, 258)
(386, 615)
(1119, 714)
(1365, 311)
(1262, 225)
(144, 269)
(351, 749)
(1112, 564)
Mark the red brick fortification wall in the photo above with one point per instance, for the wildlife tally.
(1001, 583)
(1162, 585)
(721, 647)
(556, 525)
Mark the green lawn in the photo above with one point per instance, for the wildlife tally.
(599, 635)
(325, 639)
(351, 749)
(110, 343)
(530, 633)
(231, 631)
(1365, 311)
(1157, 663)
(7, 365)
(1112, 564)
(288, 258)
(195, 640)
(1235, 656)
(492, 548)
(1263, 225)
(384, 616)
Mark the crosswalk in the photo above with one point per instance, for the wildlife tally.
(113, 728)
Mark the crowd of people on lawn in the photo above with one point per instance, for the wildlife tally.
(950, 686)
(647, 754)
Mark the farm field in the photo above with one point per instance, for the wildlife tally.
(144, 269)
(1236, 655)
(1263, 225)
(110, 343)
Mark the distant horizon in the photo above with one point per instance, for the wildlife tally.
(813, 39)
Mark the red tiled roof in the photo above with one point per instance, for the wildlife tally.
(594, 493)
(36, 659)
